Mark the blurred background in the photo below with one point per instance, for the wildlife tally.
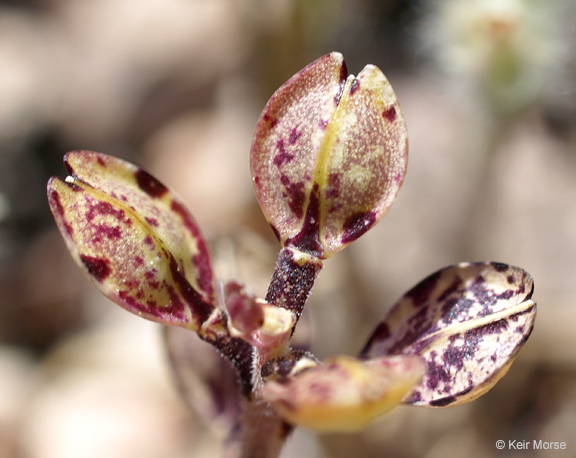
(488, 89)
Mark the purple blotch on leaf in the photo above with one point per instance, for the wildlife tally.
(417, 328)
(202, 259)
(356, 225)
(308, 238)
(455, 308)
(110, 232)
(106, 208)
(499, 266)
(151, 221)
(382, 332)
(202, 263)
(282, 156)
(506, 294)
(273, 121)
(421, 293)
(149, 184)
(343, 72)
(443, 401)
(333, 190)
(97, 267)
(451, 289)
(57, 205)
(437, 373)
(390, 113)
(294, 136)
(295, 193)
(200, 308)
(415, 397)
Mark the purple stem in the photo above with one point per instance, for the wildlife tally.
(293, 279)
(261, 432)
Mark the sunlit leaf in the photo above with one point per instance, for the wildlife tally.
(342, 393)
(329, 155)
(468, 322)
(134, 239)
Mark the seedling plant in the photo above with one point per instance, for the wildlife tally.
(328, 158)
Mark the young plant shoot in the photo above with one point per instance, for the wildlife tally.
(328, 158)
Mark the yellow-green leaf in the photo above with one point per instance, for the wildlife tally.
(342, 393)
(134, 239)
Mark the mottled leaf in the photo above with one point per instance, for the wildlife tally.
(329, 155)
(342, 393)
(467, 321)
(134, 239)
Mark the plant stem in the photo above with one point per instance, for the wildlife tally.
(262, 431)
(293, 279)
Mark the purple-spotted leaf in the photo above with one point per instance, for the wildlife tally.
(342, 393)
(329, 155)
(134, 239)
(467, 322)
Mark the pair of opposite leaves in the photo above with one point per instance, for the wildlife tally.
(328, 157)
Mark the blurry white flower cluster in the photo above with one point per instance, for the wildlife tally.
(505, 49)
